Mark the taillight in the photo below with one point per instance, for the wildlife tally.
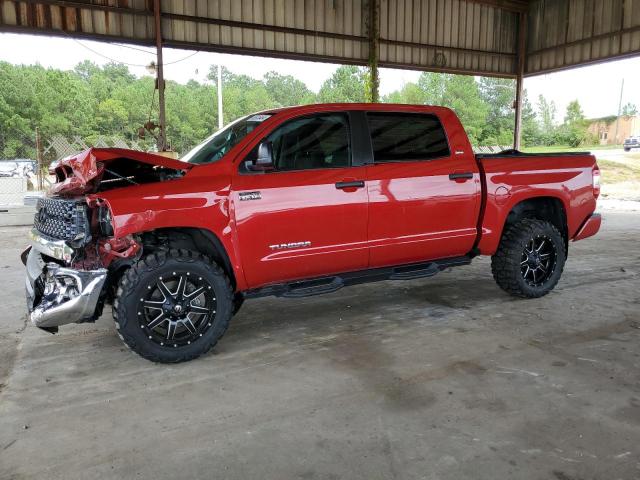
(596, 181)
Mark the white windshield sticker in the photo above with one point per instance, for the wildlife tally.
(261, 117)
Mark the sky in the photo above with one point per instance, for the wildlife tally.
(596, 87)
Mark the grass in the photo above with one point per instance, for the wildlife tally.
(564, 148)
(616, 172)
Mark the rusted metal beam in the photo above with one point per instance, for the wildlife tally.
(88, 6)
(162, 135)
(519, 6)
(522, 56)
(582, 41)
(402, 43)
(374, 50)
(457, 71)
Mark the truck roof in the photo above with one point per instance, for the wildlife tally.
(381, 107)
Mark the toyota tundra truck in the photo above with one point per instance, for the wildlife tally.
(294, 202)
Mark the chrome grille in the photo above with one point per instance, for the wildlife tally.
(61, 219)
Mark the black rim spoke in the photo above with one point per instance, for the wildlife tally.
(538, 260)
(177, 309)
(200, 310)
(195, 293)
(171, 330)
(190, 326)
(162, 287)
(160, 319)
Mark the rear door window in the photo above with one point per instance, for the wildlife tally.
(406, 137)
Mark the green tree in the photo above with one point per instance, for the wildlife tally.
(347, 84)
(573, 131)
(286, 90)
(410, 93)
(461, 93)
(629, 110)
(499, 95)
(574, 113)
(530, 131)
(547, 115)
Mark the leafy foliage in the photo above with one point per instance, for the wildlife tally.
(91, 101)
(629, 110)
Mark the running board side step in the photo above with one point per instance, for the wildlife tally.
(330, 284)
(414, 271)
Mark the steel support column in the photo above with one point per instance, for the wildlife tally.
(162, 134)
(374, 50)
(521, 58)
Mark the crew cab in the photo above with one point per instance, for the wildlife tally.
(293, 202)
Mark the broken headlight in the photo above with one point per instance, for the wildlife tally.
(105, 223)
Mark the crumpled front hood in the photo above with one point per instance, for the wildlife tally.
(82, 173)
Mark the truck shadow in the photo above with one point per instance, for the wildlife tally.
(393, 301)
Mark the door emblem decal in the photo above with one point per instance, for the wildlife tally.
(249, 196)
(285, 246)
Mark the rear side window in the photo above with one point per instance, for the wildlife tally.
(406, 137)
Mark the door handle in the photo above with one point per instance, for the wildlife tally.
(461, 176)
(350, 184)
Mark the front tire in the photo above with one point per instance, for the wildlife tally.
(173, 306)
(530, 258)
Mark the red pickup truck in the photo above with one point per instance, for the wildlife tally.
(293, 202)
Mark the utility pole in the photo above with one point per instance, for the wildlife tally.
(517, 104)
(220, 120)
(615, 137)
(374, 45)
(39, 179)
(162, 135)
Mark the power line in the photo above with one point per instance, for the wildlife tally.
(133, 48)
(154, 53)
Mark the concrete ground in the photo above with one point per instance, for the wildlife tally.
(442, 378)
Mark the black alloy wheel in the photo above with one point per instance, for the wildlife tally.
(538, 260)
(530, 258)
(173, 306)
(178, 309)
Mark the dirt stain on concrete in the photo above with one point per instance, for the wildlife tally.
(367, 360)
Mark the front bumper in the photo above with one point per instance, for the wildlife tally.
(57, 295)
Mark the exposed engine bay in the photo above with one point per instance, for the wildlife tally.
(97, 170)
(123, 171)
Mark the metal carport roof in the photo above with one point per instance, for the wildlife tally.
(506, 38)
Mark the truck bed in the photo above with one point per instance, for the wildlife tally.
(511, 177)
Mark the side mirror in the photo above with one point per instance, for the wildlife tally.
(264, 160)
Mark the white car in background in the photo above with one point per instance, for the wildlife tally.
(9, 169)
(631, 142)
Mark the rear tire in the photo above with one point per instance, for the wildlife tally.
(530, 258)
(173, 306)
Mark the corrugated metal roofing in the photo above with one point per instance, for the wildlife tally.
(448, 35)
(565, 33)
(466, 36)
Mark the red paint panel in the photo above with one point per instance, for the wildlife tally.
(589, 228)
(566, 178)
(300, 207)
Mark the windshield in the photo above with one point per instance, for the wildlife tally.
(218, 144)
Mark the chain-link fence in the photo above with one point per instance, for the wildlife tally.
(58, 146)
(24, 168)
